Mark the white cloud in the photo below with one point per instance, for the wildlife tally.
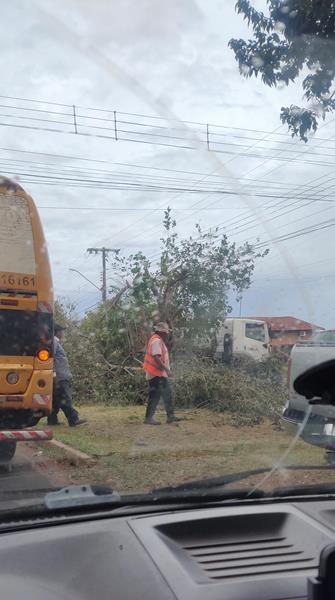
(147, 57)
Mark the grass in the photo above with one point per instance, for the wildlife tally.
(131, 456)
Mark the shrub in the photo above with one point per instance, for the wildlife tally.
(247, 398)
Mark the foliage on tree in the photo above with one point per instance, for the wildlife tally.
(188, 286)
(295, 36)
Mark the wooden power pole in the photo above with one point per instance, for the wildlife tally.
(104, 252)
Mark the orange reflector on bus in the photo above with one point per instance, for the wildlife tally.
(43, 355)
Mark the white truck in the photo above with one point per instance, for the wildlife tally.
(320, 429)
(242, 337)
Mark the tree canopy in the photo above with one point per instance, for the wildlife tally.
(295, 35)
(187, 284)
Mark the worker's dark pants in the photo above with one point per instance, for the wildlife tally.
(159, 387)
(62, 400)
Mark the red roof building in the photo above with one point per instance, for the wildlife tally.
(287, 331)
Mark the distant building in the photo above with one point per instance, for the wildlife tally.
(284, 332)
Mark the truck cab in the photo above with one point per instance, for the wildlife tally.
(242, 337)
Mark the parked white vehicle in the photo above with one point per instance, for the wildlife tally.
(320, 430)
(242, 337)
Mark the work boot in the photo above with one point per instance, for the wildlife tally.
(78, 422)
(53, 423)
(174, 419)
(151, 422)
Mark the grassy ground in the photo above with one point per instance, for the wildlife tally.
(135, 457)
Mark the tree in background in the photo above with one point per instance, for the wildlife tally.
(297, 35)
(188, 284)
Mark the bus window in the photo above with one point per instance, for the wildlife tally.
(23, 332)
(16, 238)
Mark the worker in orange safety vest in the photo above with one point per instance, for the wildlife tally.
(156, 365)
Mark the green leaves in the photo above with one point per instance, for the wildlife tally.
(297, 34)
(188, 284)
(300, 121)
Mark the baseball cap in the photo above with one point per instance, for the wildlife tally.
(163, 327)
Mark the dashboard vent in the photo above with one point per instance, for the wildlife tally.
(254, 557)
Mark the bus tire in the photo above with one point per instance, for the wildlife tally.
(7, 450)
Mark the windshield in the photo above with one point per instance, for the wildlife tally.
(166, 241)
(326, 337)
(255, 331)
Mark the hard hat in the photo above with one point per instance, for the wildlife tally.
(163, 327)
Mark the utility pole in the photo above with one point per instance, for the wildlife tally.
(104, 252)
(241, 305)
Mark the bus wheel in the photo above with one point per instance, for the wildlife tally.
(7, 451)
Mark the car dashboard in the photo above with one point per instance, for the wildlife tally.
(258, 551)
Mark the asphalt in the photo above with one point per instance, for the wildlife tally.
(23, 474)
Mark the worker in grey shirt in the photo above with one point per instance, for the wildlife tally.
(62, 390)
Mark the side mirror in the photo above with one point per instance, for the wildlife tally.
(318, 383)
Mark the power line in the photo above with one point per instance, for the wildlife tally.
(199, 181)
(254, 168)
(300, 232)
(133, 165)
(221, 226)
(99, 208)
(92, 208)
(288, 209)
(122, 181)
(275, 168)
(123, 129)
(242, 153)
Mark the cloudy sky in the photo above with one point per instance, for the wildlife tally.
(147, 59)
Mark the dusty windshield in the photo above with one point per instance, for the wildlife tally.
(166, 242)
(326, 337)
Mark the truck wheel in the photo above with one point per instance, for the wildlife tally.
(7, 451)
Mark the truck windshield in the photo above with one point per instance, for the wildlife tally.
(169, 205)
(255, 331)
(326, 337)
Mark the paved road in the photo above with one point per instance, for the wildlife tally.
(24, 484)
(23, 474)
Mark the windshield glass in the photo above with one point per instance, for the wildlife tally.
(22, 332)
(166, 240)
(255, 331)
(326, 337)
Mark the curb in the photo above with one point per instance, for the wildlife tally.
(76, 455)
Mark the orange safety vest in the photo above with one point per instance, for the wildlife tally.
(149, 364)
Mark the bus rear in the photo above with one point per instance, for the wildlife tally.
(26, 312)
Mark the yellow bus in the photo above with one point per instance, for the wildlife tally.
(26, 312)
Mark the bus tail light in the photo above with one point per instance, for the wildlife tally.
(43, 355)
(12, 378)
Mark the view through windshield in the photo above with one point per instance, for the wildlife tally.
(166, 242)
